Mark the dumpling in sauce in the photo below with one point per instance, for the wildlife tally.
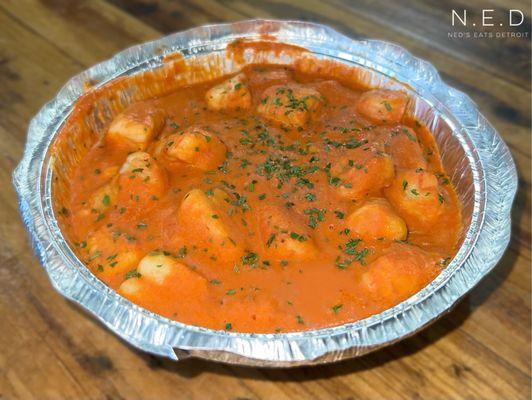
(163, 272)
(230, 95)
(416, 197)
(205, 221)
(404, 149)
(136, 127)
(284, 234)
(382, 106)
(376, 220)
(398, 274)
(141, 182)
(194, 146)
(363, 173)
(111, 252)
(291, 106)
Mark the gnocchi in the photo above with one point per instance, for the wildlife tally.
(292, 105)
(276, 199)
(416, 197)
(284, 235)
(362, 173)
(230, 95)
(382, 106)
(376, 220)
(196, 147)
(141, 181)
(399, 273)
(206, 222)
(162, 270)
(404, 149)
(111, 252)
(136, 127)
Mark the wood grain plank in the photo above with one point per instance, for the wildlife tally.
(65, 24)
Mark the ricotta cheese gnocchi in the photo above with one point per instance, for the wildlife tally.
(267, 201)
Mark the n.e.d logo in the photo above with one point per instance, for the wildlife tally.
(513, 18)
(505, 24)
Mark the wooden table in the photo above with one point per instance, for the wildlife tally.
(49, 348)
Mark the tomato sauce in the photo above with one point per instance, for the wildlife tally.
(275, 200)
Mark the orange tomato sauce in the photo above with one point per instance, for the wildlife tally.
(278, 201)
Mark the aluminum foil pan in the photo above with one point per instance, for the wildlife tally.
(477, 160)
